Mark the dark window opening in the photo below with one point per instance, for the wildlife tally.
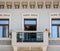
(30, 28)
(30, 24)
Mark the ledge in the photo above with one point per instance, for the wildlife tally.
(5, 39)
(54, 38)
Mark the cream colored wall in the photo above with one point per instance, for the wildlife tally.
(16, 18)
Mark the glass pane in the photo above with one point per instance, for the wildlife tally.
(30, 21)
(54, 31)
(0, 31)
(59, 31)
(30, 28)
(5, 28)
(29, 37)
(39, 37)
(55, 21)
(20, 37)
(26, 36)
(4, 22)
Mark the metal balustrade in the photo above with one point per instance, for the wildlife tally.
(29, 36)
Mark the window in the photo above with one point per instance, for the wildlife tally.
(30, 24)
(4, 28)
(56, 28)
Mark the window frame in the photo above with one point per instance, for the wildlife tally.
(30, 24)
(58, 25)
(5, 25)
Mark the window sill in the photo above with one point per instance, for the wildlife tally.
(5, 39)
(54, 38)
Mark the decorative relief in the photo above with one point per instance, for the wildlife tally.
(29, 49)
(2, 4)
(17, 5)
(55, 4)
(29, 4)
(32, 4)
(4, 14)
(40, 4)
(24, 4)
(55, 14)
(32, 14)
(48, 4)
(9, 5)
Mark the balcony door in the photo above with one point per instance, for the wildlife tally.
(4, 28)
(30, 24)
(56, 28)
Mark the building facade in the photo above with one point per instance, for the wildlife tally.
(30, 25)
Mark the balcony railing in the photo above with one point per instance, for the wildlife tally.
(29, 36)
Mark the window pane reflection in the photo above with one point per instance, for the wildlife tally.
(54, 31)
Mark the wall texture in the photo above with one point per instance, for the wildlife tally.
(16, 21)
